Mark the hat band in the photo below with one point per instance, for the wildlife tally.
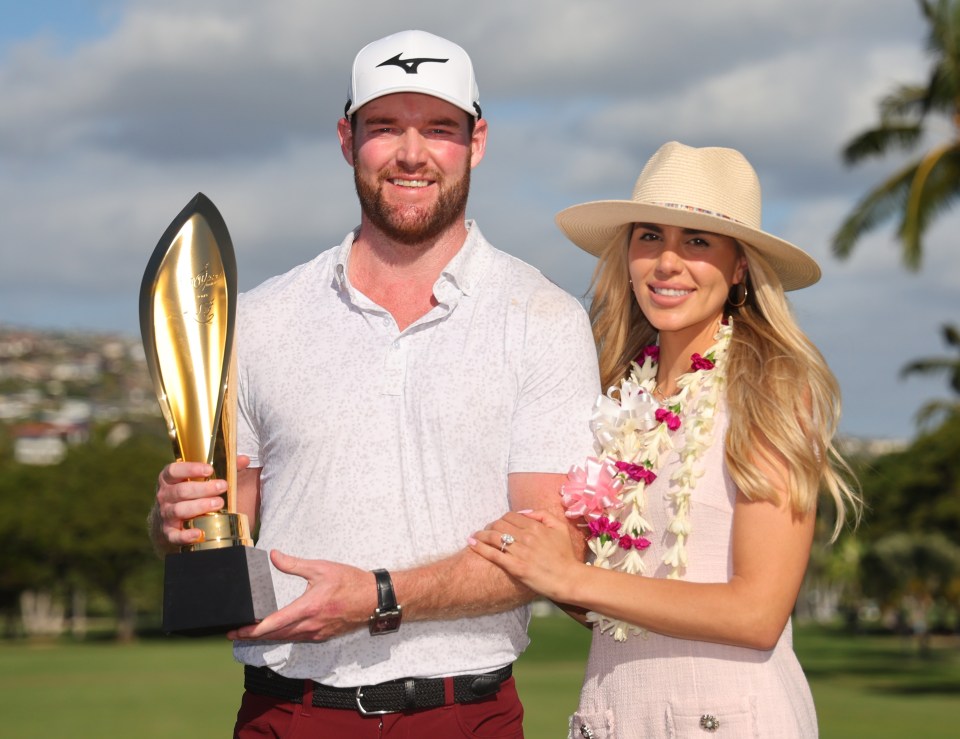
(695, 209)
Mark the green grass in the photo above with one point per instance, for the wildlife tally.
(154, 688)
(549, 675)
(879, 686)
(871, 686)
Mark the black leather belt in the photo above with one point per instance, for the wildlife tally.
(396, 696)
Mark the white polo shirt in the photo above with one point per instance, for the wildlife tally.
(383, 448)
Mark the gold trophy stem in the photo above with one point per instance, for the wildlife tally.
(226, 527)
(220, 530)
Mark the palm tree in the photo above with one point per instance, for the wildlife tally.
(939, 365)
(930, 184)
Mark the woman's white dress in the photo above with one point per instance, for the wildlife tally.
(657, 686)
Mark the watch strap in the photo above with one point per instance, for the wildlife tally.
(387, 616)
(386, 597)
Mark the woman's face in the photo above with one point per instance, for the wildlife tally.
(681, 277)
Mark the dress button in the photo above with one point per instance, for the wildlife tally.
(709, 723)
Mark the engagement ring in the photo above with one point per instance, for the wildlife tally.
(505, 541)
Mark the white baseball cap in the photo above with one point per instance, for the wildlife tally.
(413, 61)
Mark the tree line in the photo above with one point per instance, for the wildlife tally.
(75, 533)
(73, 538)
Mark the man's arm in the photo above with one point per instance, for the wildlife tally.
(340, 598)
(460, 585)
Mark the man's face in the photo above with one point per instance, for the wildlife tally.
(412, 156)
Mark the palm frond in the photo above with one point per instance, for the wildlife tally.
(927, 8)
(939, 365)
(929, 366)
(934, 188)
(927, 187)
(943, 45)
(943, 88)
(907, 101)
(878, 205)
(938, 16)
(952, 336)
(934, 409)
(877, 141)
(941, 91)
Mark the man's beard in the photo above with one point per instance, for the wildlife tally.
(414, 225)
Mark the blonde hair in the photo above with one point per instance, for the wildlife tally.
(620, 329)
(783, 400)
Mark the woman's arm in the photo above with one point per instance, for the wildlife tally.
(771, 546)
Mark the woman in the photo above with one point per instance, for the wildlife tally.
(713, 443)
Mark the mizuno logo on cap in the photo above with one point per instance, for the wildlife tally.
(409, 65)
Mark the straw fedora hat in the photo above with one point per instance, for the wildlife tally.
(710, 189)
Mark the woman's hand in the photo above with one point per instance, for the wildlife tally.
(541, 555)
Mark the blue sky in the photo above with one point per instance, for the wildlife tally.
(116, 112)
(65, 23)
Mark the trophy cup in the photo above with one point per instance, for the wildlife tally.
(187, 321)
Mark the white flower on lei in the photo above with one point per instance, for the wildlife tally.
(636, 434)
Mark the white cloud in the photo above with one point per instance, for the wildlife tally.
(104, 138)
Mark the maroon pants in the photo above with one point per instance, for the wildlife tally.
(498, 716)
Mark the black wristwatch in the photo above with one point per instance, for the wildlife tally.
(386, 618)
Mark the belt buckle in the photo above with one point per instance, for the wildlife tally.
(364, 711)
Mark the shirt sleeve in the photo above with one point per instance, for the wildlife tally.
(248, 441)
(559, 385)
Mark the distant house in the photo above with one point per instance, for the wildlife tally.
(854, 446)
(45, 443)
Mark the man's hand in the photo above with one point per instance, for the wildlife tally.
(184, 492)
(339, 599)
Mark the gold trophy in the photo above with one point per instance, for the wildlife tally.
(188, 306)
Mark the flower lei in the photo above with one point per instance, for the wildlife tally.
(633, 435)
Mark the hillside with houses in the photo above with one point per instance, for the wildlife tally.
(55, 386)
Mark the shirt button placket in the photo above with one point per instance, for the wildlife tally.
(394, 368)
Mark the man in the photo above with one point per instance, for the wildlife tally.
(396, 394)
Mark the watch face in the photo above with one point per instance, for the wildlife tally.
(386, 622)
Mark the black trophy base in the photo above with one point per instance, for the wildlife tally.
(214, 590)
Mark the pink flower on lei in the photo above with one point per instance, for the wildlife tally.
(604, 526)
(636, 472)
(668, 417)
(700, 363)
(592, 491)
(633, 542)
(652, 351)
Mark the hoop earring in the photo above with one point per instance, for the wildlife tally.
(737, 297)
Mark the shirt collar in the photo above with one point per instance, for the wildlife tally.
(463, 273)
(341, 280)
